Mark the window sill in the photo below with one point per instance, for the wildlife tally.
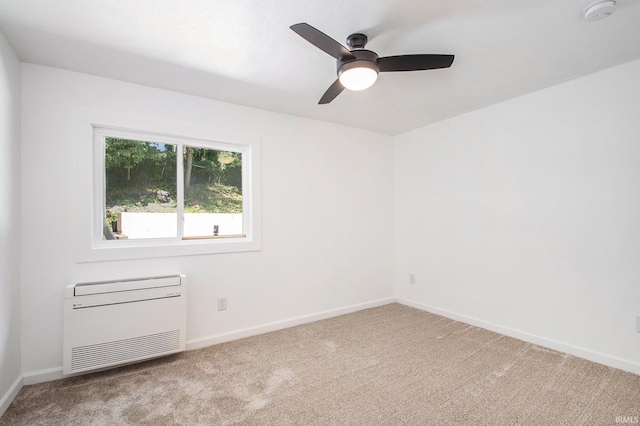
(189, 246)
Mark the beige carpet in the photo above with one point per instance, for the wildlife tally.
(391, 365)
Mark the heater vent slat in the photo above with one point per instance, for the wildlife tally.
(122, 351)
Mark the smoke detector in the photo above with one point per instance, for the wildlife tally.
(599, 9)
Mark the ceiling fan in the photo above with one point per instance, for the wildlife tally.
(358, 67)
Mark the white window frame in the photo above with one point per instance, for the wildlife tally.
(90, 244)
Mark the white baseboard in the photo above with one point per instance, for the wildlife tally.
(611, 361)
(41, 376)
(10, 395)
(279, 325)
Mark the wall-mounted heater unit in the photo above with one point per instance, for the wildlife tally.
(119, 322)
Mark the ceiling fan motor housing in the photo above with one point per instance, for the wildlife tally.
(360, 58)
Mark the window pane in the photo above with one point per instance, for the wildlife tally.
(140, 189)
(212, 193)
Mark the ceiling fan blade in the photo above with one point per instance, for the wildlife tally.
(321, 40)
(332, 92)
(414, 62)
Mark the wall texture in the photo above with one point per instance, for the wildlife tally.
(524, 217)
(326, 209)
(9, 222)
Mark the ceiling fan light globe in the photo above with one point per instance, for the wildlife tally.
(358, 78)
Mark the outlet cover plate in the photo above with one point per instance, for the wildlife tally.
(222, 304)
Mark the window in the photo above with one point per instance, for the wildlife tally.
(163, 195)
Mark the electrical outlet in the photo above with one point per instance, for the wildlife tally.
(222, 304)
(412, 278)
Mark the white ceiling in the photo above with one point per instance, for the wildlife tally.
(243, 51)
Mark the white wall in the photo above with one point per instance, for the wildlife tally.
(9, 222)
(521, 217)
(326, 213)
(524, 217)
